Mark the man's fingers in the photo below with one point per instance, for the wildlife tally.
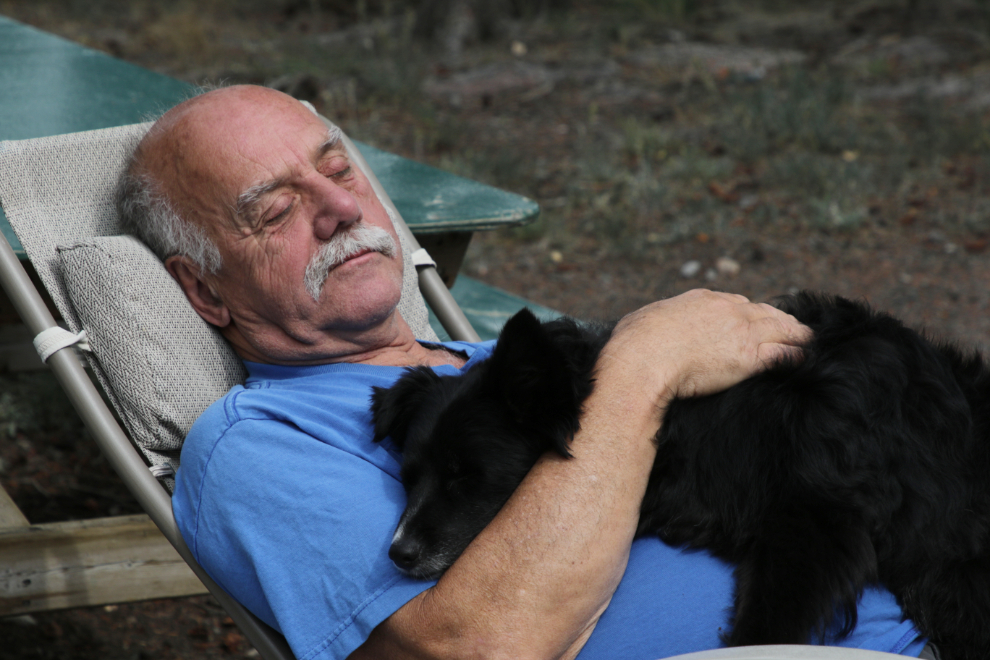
(781, 327)
(781, 336)
(769, 354)
(783, 339)
(734, 297)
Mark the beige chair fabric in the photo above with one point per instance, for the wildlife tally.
(159, 363)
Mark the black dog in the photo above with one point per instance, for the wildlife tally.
(866, 462)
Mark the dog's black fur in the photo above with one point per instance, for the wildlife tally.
(866, 462)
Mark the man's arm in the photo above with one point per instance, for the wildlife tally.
(535, 581)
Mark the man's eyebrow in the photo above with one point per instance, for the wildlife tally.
(332, 140)
(250, 197)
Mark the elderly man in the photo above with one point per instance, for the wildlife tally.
(280, 242)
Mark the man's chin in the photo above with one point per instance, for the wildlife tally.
(355, 293)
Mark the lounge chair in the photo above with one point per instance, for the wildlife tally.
(159, 364)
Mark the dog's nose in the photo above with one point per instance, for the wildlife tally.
(405, 553)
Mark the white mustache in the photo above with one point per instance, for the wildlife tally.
(342, 246)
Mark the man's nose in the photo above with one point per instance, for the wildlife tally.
(335, 207)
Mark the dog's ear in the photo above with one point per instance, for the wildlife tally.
(533, 376)
(394, 407)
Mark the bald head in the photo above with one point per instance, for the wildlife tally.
(170, 196)
(193, 144)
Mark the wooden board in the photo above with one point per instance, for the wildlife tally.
(89, 562)
(10, 516)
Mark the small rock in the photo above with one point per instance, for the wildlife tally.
(690, 269)
(711, 275)
(727, 267)
(556, 256)
(22, 620)
(748, 202)
(518, 48)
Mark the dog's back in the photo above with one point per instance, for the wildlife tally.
(874, 417)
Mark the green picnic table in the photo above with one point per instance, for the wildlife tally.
(53, 86)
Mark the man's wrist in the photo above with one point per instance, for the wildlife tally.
(632, 387)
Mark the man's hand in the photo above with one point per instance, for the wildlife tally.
(700, 342)
(534, 583)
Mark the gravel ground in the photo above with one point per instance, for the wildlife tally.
(651, 145)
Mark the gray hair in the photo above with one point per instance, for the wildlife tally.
(146, 212)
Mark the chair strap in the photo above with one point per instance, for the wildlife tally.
(161, 471)
(54, 339)
(422, 258)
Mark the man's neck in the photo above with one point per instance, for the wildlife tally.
(394, 345)
(414, 355)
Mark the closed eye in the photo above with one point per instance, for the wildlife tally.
(335, 166)
(281, 214)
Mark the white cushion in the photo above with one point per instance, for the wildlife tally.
(165, 364)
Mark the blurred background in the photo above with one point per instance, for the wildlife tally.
(754, 146)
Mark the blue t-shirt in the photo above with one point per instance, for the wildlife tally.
(288, 504)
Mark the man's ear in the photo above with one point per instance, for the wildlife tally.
(202, 296)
